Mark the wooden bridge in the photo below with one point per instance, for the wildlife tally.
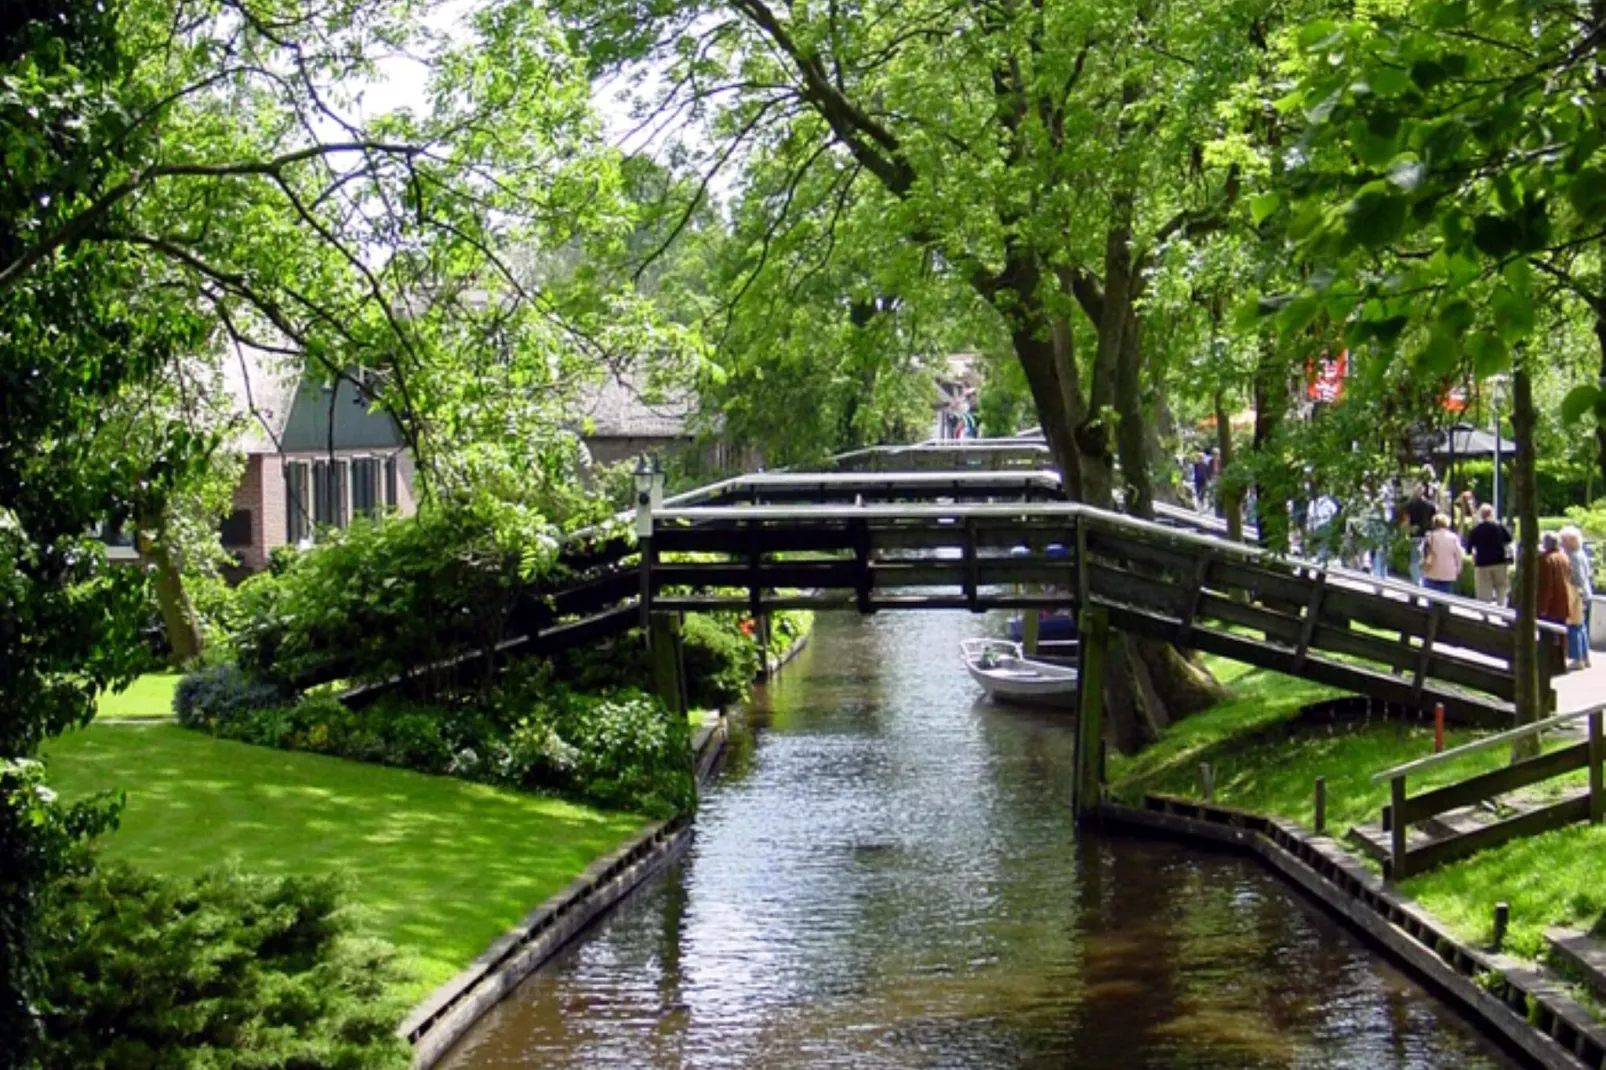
(970, 528)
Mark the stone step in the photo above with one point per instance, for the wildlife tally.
(1458, 822)
(1377, 844)
(1580, 954)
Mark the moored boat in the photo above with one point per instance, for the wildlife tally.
(1008, 675)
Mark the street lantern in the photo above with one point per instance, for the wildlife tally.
(649, 480)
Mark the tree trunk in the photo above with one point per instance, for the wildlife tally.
(1271, 406)
(178, 616)
(1600, 337)
(1525, 663)
(1232, 498)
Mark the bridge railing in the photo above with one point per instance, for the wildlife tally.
(1156, 580)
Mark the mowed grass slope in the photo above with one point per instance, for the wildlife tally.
(1262, 763)
(440, 867)
(149, 696)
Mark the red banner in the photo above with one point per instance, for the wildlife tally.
(1324, 377)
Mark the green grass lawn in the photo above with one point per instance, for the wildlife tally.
(150, 695)
(440, 866)
(1551, 879)
(1547, 880)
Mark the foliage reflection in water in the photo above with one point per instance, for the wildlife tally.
(887, 875)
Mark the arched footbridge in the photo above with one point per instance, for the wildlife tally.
(971, 527)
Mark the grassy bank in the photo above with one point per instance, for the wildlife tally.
(1262, 762)
(439, 866)
(149, 697)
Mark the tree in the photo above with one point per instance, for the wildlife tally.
(180, 171)
(1451, 187)
(1042, 156)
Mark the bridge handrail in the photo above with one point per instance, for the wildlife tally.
(1510, 736)
(960, 511)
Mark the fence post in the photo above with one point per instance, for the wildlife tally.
(1438, 727)
(1321, 804)
(1597, 754)
(1207, 782)
(1397, 866)
(1095, 622)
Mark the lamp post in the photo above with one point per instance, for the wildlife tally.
(649, 480)
(1497, 385)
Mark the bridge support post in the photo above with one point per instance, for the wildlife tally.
(1086, 788)
(1031, 623)
(668, 663)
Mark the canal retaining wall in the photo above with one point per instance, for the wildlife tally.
(1512, 999)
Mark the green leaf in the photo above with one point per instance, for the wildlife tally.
(1448, 16)
(1581, 401)
(1298, 314)
(1375, 217)
(1495, 235)
(1513, 314)
(1407, 172)
(1262, 207)
(1320, 34)
(1438, 356)
(1587, 193)
(1489, 354)
(1388, 81)
(1456, 316)
(1426, 73)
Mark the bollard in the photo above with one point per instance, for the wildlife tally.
(1321, 804)
(1438, 727)
(1207, 782)
(1502, 917)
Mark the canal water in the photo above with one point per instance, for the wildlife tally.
(886, 875)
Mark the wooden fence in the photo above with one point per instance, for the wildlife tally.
(1419, 832)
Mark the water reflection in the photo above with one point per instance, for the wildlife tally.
(887, 876)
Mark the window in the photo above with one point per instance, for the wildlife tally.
(390, 481)
(235, 531)
(365, 488)
(298, 503)
(321, 515)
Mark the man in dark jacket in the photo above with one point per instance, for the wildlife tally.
(1489, 542)
(1419, 513)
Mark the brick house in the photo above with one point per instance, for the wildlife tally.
(316, 456)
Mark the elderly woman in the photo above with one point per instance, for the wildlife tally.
(1572, 544)
(1554, 582)
(1441, 556)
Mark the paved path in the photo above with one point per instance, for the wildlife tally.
(1583, 689)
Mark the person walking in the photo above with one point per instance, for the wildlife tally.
(1441, 557)
(1419, 514)
(1554, 587)
(1572, 544)
(1490, 544)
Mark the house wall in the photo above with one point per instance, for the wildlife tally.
(262, 491)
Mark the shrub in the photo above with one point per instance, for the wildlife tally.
(1558, 483)
(619, 748)
(216, 971)
(388, 595)
(721, 660)
(786, 626)
(221, 695)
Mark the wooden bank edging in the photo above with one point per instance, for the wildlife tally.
(772, 665)
(435, 1024)
(1511, 998)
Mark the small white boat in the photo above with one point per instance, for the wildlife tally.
(1008, 675)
